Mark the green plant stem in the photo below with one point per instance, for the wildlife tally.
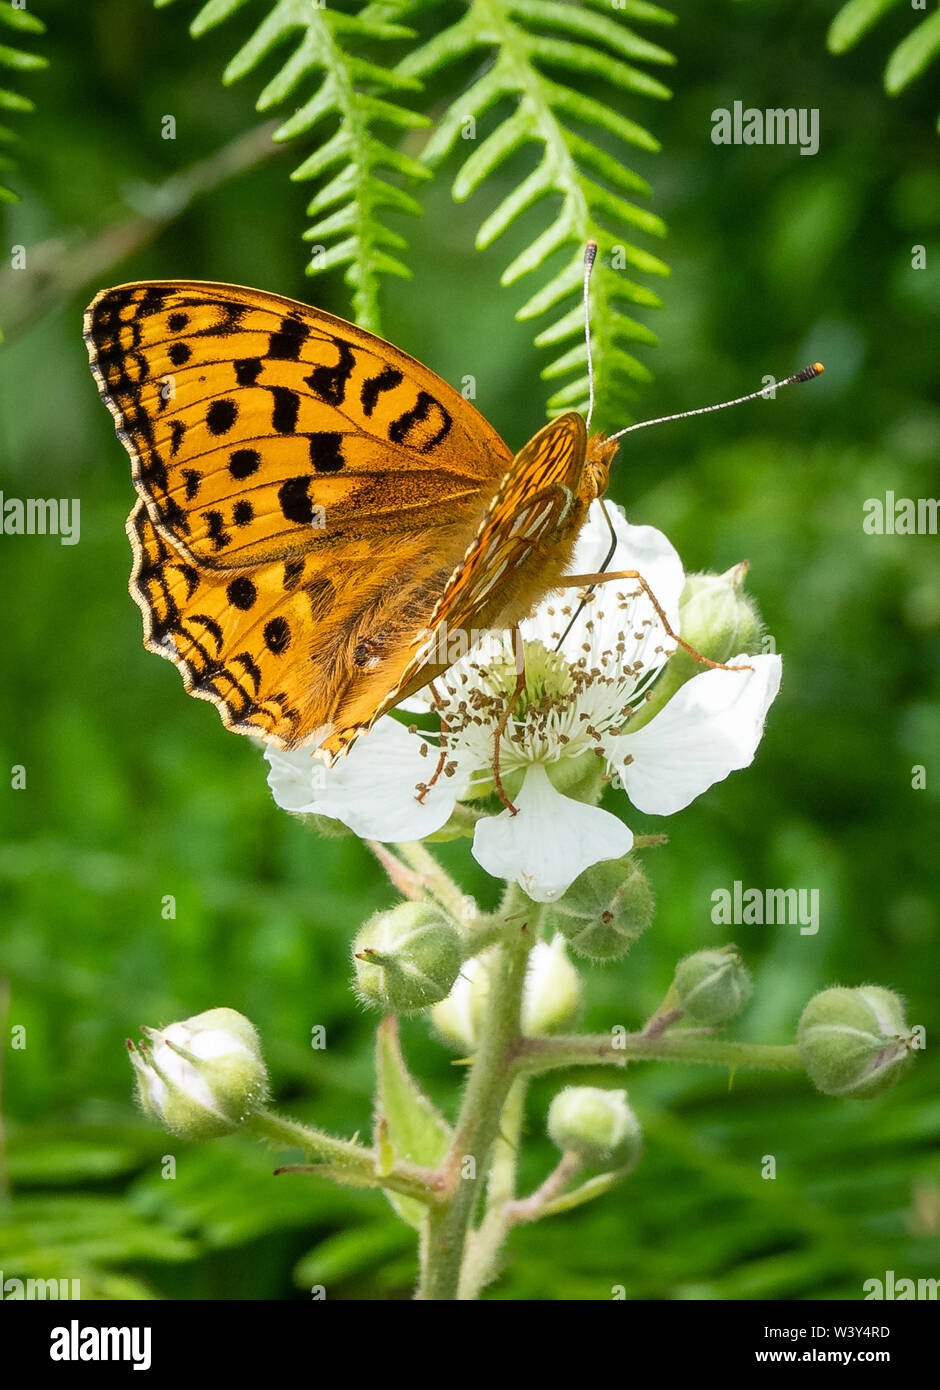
(483, 1245)
(359, 1162)
(535, 1205)
(535, 1055)
(478, 1124)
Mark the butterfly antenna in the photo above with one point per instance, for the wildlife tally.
(807, 374)
(590, 254)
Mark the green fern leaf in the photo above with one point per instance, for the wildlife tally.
(914, 54)
(357, 95)
(911, 57)
(533, 45)
(854, 20)
(20, 61)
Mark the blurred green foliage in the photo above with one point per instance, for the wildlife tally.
(134, 792)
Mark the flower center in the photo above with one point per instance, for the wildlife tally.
(548, 680)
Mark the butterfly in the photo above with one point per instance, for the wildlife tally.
(316, 511)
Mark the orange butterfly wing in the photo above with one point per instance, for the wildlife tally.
(249, 418)
(312, 500)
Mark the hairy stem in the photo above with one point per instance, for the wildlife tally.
(532, 1207)
(478, 1124)
(535, 1055)
(484, 1244)
(345, 1155)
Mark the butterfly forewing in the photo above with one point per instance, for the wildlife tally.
(313, 502)
(259, 428)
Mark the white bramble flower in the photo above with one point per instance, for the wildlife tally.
(574, 716)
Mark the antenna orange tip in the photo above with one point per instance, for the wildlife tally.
(818, 368)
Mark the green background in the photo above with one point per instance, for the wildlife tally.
(135, 792)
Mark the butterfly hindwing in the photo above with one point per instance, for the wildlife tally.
(279, 647)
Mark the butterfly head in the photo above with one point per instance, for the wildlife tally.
(599, 455)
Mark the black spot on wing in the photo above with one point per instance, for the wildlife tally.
(295, 501)
(221, 416)
(247, 370)
(328, 384)
(241, 593)
(286, 409)
(422, 427)
(243, 462)
(285, 344)
(387, 379)
(215, 523)
(277, 636)
(326, 453)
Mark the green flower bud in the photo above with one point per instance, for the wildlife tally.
(712, 986)
(406, 958)
(203, 1077)
(597, 1125)
(605, 909)
(854, 1042)
(551, 996)
(717, 618)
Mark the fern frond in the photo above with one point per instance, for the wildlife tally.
(16, 60)
(357, 95)
(912, 56)
(531, 43)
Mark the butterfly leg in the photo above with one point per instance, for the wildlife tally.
(424, 788)
(516, 638)
(581, 581)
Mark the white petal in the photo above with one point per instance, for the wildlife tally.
(550, 841)
(710, 727)
(373, 789)
(291, 777)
